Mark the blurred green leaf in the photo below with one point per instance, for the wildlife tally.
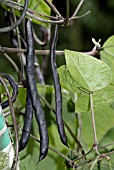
(89, 73)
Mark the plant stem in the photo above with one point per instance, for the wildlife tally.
(84, 162)
(20, 50)
(53, 8)
(12, 63)
(7, 113)
(80, 16)
(93, 122)
(75, 138)
(77, 8)
(67, 12)
(104, 146)
(18, 22)
(21, 78)
(41, 52)
(109, 153)
(38, 73)
(33, 15)
(37, 40)
(93, 164)
(80, 157)
(109, 164)
(79, 125)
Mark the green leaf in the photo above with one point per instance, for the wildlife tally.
(21, 99)
(37, 7)
(67, 82)
(107, 54)
(27, 164)
(108, 138)
(82, 103)
(101, 98)
(90, 73)
(104, 120)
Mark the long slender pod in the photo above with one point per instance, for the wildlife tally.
(58, 95)
(14, 87)
(32, 88)
(27, 123)
(5, 141)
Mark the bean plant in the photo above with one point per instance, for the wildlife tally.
(69, 123)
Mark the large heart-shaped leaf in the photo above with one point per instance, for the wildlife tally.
(90, 73)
